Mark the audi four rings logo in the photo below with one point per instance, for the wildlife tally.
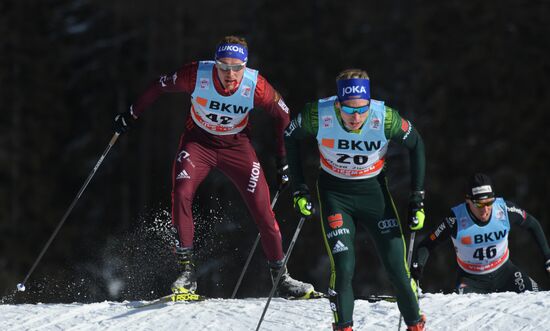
(386, 224)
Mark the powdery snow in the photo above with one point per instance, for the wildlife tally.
(502, 311)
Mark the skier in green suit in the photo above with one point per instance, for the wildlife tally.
(353, 133)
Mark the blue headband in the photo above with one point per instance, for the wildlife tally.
(235, 51)
(354, 88)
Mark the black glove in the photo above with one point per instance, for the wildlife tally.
(416, 271)
(283, 175)
(124, 121)
(302, 201)
(416, 211)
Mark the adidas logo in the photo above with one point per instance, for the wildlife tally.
(339, 247)
(183, 174)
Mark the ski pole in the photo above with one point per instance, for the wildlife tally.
(283, 267)
(21, 286)
(410, 253)
(253, 249)
(409, 258)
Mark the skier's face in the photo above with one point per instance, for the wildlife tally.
(481, 209)
(353, 121)
(230, 71)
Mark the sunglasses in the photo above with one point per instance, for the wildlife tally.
(483, 204)
(233, 67)
(352, 110)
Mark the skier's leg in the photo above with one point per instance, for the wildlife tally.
(339, 234)
(191, 166)
(468, 284)
(511, 279)
(385, 228)
(241, 165)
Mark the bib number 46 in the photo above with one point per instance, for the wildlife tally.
(485, 252)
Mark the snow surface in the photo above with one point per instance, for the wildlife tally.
(502, 311)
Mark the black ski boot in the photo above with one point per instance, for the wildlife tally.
(289, 287)
(187, 281)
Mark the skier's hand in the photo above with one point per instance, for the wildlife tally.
(124, 121)
(416, 271)
(283, 178)
(302, 201)
(416, 211)
(547, 266)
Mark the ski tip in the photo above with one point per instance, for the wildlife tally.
(187, 297)
(175, 297)
(377, 298)
(310, 295)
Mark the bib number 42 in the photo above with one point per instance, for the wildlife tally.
(224, 120)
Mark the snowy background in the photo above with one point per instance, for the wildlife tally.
(472, 76)
(499, 312)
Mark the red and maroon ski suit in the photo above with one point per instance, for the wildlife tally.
(200, 151)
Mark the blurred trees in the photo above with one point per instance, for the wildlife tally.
(472, 77)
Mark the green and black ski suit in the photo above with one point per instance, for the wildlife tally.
(348, 202)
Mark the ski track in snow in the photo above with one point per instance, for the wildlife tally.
(502, 311)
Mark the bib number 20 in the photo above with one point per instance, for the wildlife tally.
(356, 159)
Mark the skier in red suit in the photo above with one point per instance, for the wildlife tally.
(217, 136)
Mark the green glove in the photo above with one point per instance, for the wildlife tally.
(416, 211)
(302, 201)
